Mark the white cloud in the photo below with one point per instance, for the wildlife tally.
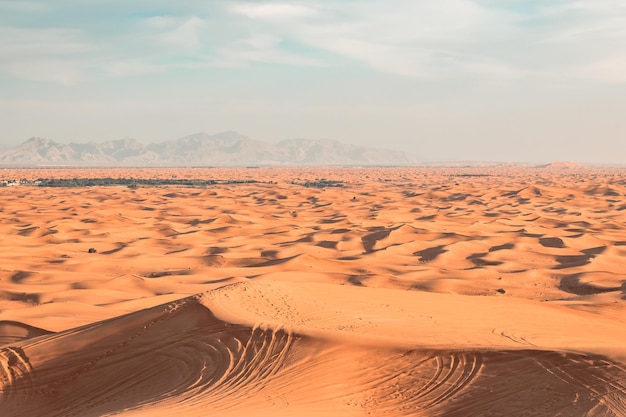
(409, 38)
(451, 38)
(272, 11)
(52, 70)
(185, 36)
(44, 54)
(56, 42)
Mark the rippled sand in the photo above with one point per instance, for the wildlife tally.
(493, 291)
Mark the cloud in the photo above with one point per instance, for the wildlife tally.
(411, 39)
(272, 11)
(56, 71)
(262, 49)
(48, 54)
(51, 42)
(186, 35)
(445, 39)
(452, 38)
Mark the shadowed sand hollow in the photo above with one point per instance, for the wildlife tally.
(406, 292)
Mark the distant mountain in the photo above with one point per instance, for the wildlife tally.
(200, 149)
(330, 152)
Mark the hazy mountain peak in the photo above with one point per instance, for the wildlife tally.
(39, 141)
(227, 148)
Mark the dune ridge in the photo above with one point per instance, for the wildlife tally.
(430, 292)
(181, 357)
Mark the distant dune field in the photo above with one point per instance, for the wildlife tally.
(486, 291)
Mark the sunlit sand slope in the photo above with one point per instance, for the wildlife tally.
(247, 349)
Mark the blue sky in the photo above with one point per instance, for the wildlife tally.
(491, 80)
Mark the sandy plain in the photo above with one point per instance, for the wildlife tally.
(493, 291)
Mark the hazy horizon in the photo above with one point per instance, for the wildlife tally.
(454, 80)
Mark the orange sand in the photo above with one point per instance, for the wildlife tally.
(409, 292)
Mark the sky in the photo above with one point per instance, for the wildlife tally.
(446, 80)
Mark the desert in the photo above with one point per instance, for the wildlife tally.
(494, 290)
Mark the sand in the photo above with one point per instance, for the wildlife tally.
(490, 291)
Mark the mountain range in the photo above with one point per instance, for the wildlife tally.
(200, 149)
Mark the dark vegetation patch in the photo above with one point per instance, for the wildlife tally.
(320, 183)
(133, 182)
(159, 274)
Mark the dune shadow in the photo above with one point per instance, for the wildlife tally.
(571, 261)
(119, 247)
(378, 233)
(502, 247)
(19, 276)
(430, 254)
(271, 262)
(571, 284)
(14, 331)
(552, 242)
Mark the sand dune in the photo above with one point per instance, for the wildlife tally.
(427, 292)
(365, 358)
